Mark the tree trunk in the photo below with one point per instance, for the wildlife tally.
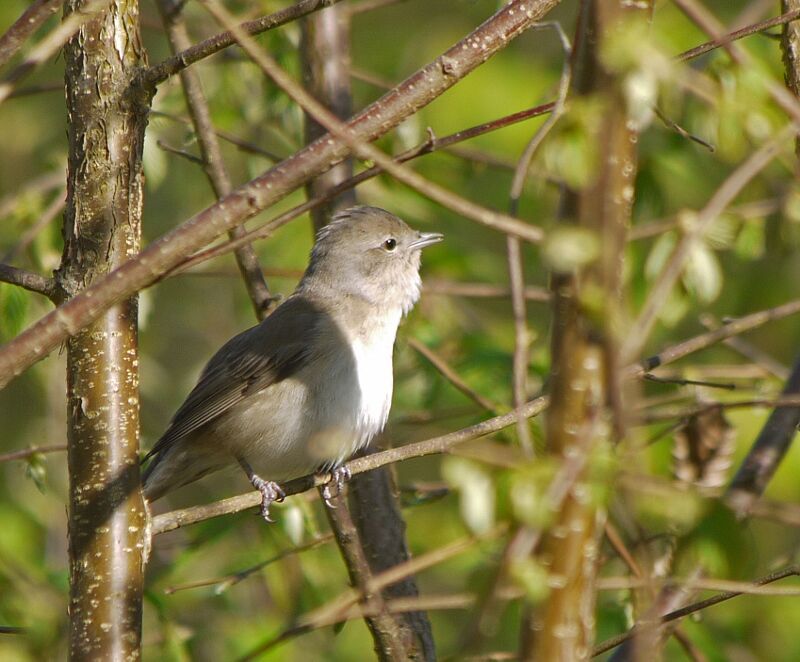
(102, 228)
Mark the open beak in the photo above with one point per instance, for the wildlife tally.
(426, 239)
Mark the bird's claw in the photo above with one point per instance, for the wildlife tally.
(339, 476)
(270, 493)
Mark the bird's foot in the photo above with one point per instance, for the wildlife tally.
(333, 488)
(270, 493)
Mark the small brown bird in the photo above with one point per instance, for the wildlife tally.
(312, 383)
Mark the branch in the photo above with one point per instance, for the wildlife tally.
(613, 642)
(451, 375)
(169, 250)
(724, 40)
(431, 145)
(26, 453)
(30, 21)
(178, 518)
(725, 194)
(767, 451)
(704, 340)
(364, 150)
(516, 275)
(158, 73)
(52, 43)
(28, 280)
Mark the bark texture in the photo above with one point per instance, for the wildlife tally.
(102, 228)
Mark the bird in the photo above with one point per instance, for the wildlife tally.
(311, 384)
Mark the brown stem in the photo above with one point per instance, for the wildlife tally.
(390, 644)
(28, 280)
(325, 53)
(179, 518)
(767, 451)
(168, 251)
(102, 230)
(158, 73)
(790, 44)
(790, 15)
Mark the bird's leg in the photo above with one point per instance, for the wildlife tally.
(270, 490)
(339, 476)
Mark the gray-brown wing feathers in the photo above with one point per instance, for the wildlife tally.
(246, 364)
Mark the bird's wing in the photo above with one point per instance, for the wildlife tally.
(248, 363)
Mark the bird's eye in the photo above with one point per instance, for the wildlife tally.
(390, 244)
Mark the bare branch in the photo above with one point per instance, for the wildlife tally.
(755, 28)
(451, 375)
(729, 329)
(725, 194)
(178, 518)
(30, 21)
(168, 251)
(51, 44)
(690, 609)
(30, 452)
(158, 73)
(28, 280)
(767, 451)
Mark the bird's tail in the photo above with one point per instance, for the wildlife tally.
(175, 467)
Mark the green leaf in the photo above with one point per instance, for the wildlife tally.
(476, 492)
(702, 274)
(13, 309)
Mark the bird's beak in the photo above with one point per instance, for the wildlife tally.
(426, 239)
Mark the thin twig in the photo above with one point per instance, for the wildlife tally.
(181, 153)
(28, 23)
(724, 40)
(514, 249)
(178, 518)
(223, 583)
(481, 290)
(451, 375)
(731, 187)
(26, 453)
(158, 73)
(243, 145)
(28, 280)
(53, 210)
(613, 642)
(341, 131)
(749, 351)
(729, 329)
(51, 44)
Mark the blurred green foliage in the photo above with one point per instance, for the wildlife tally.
(748, 261)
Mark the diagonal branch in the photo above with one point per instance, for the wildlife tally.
(169, 250)
(30, 21)
(158, 73)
